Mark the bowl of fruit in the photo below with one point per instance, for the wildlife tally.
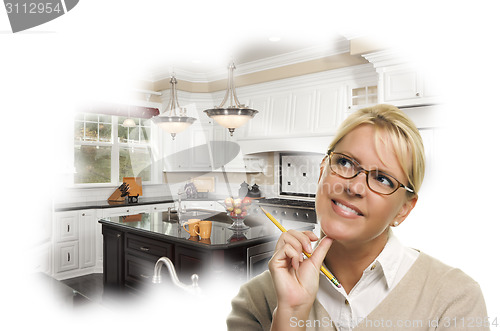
(238, 209)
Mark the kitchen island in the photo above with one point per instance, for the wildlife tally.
(132, 244)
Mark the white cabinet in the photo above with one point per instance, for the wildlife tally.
(406, 85)
(74, 241)
(87, 246)
(66, 256)
(77, 239)
(259, 125)
(330, 103)
(401, 83)
(66, 226)
(302, 112)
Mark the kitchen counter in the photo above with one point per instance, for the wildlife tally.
(157, 225)
(106, 204)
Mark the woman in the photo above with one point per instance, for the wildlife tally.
(369, 183)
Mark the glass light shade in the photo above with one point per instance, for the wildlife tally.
(231, 121)
(129, 123)
(231, 118)
(173, 124)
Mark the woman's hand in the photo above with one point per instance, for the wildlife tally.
(296, 279)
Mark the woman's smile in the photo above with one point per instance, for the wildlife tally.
(345, 209)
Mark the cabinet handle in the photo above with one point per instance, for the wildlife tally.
(128, 210)
(118, 235)
(83, 214)
(69, 257)
(418, 94)
(68, 227)
(146, 249)
(144, 276)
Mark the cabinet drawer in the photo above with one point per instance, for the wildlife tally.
(66, 227)
(66, 256)
(154, 248)
(138, 270)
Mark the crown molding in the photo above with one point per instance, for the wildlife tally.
(307, 54)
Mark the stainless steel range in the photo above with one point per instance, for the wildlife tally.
(287, 209)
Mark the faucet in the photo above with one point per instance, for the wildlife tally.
(193, 288)
(179, 200)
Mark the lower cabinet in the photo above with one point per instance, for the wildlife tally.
(130, 257)
(74, 242)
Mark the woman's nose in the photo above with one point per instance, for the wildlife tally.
(357, 185)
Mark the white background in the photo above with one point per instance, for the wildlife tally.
(102, 44)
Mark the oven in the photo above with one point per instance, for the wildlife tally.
(289, 210)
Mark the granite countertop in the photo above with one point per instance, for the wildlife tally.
(105, 204)
(222, 236)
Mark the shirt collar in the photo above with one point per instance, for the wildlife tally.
(389, 259)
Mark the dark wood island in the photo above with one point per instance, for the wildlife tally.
(132, 245)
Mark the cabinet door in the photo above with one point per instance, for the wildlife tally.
(112, 257)
(138, 271)
(87, 222)
(302, 112)
(279, 114)
(259, 124)
(189, 261)
(402, 83)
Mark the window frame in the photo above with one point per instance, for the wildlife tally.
(116, 145)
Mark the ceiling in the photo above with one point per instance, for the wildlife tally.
(248, 54)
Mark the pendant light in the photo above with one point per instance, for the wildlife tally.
(169, 120)
(235, 114)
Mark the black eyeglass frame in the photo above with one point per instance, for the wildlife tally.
(359, 169)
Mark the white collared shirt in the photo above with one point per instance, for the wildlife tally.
(378, 279)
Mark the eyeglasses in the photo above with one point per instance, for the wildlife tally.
(377, 181)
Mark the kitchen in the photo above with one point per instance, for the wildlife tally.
(300, 95)
(294, 117)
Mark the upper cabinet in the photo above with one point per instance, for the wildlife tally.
(402, 84)
(303, 106)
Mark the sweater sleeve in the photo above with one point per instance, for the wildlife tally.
(253, 306)
(462, 302)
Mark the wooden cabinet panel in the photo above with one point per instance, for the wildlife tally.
(66, 226)
(113, 257)
(66, 256)
(87, 239)
(138, 271)
(328, 107)
(149, 248)
(258, 126)
(302, 113)
(401, 84)
(189, 261)
(280, 110)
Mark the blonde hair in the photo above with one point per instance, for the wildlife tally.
(402, 132)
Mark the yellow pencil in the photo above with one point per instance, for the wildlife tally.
(323, 269)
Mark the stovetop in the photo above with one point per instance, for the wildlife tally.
(287, 202)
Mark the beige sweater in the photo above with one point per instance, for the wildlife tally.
(431, 296)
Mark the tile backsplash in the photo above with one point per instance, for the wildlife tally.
(299, 173)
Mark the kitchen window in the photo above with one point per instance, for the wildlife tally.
(105, 151)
